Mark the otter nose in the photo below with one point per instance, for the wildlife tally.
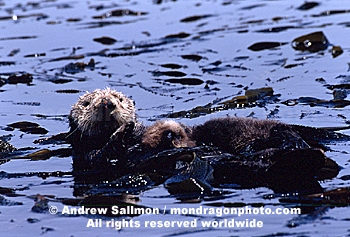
(108, 104)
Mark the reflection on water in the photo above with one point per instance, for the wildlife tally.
(189, 60)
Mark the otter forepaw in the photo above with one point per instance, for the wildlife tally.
(122, 135)
(129, 128)
(127, 135)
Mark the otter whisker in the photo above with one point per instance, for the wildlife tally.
(71, 133)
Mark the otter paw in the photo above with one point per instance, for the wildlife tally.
(123, 134)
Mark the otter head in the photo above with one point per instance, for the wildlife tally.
(101, 112)
(167, 134)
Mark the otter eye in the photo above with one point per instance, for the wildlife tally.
(86, 103)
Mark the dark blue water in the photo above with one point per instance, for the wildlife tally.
(46, 38)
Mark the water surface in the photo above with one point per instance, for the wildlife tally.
(169, 56)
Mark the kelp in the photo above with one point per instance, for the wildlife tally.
(253, 97)
(333, 197)
(28, 127)
(105, 40)
(312, 42)
(308, 5)
(120, 13)
(265, 45)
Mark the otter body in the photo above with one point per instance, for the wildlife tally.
(241, 135)
(250, 152)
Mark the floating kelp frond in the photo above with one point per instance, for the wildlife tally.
(336, 51)
(311, 101)
(265, 45)
(28, 127)
(252, 98)
(105, 40)
(334, 197)
(312, 42)
(120, 13)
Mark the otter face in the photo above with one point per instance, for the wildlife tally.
(167, 134)
(102, 112)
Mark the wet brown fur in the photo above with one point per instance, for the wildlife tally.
(232, 133)
(98, 114)
(102, 112)
(263, 143)
(161, 131)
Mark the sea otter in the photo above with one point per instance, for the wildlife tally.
(104, 132)
(96, 116)
(165, 132)
(98, 120)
